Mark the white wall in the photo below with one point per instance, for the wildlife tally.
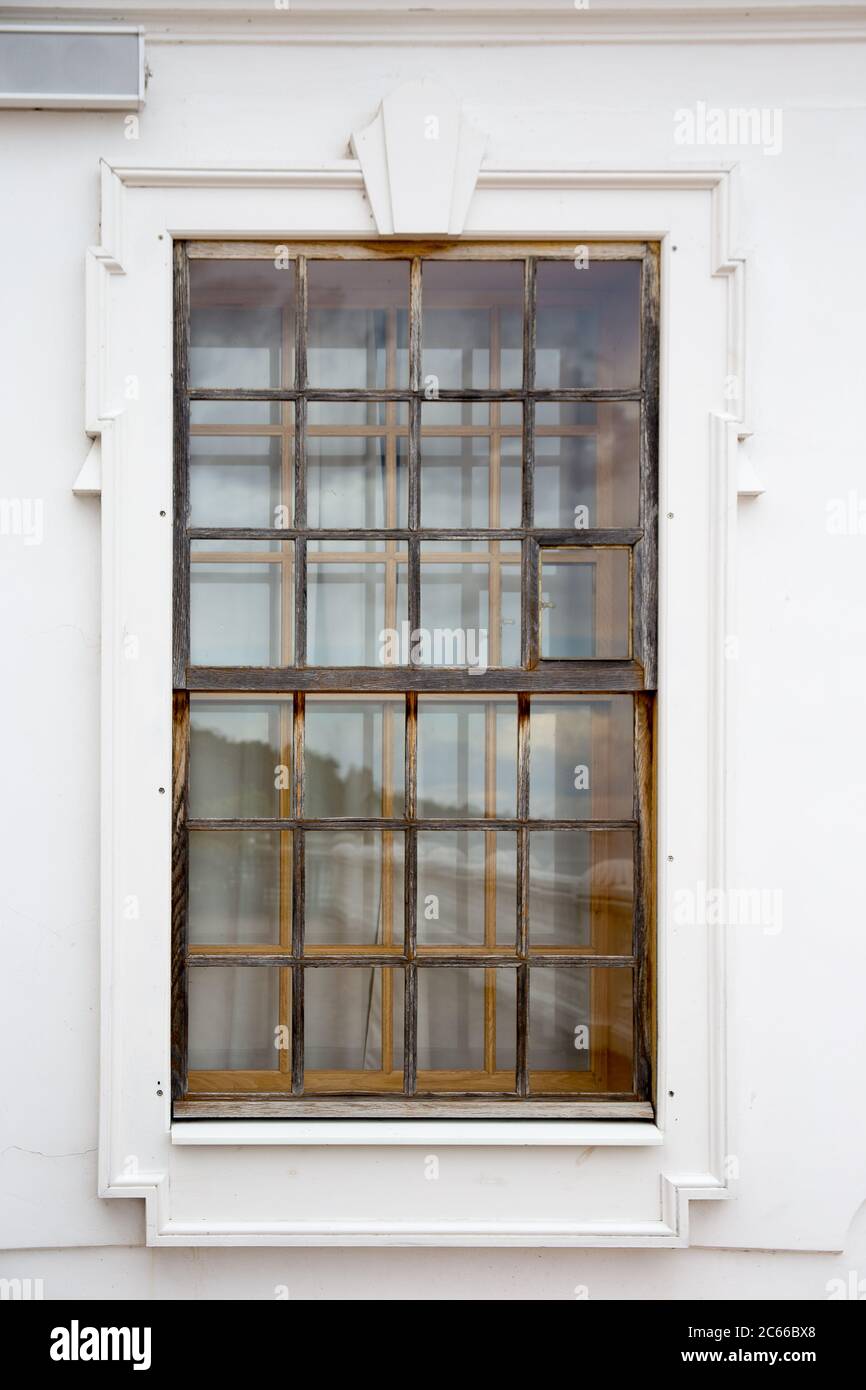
(797, 1023)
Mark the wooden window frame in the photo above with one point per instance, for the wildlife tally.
(635, 676)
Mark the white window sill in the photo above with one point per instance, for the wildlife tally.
(483, 1133)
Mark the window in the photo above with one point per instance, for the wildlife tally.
(414, 634)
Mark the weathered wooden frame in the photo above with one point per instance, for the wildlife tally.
(206, 1094)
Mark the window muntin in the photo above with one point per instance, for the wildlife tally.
(440, 861)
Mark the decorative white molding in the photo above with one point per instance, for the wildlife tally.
(749, 484)
(722, 619)
(391, 182)
(348, 174)
(397, 23)
(111, 757)
(102, 262)
(336, 174)
(128, 329)
(89, 480)
(410, 197)
(670, 1231)
(678, 1193)
(420, 156)
(515, 1134)
(732, 266)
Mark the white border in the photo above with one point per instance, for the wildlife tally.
(216, 203)
(398, 23)
(486, 1133)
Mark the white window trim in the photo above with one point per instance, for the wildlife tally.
(129, 415)
(486, 1133)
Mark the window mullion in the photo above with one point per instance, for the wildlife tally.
(300, 602)
(287, 887)
(413, 578)
(529, 555)
(410, 880)
(298, 1028)
(410, 1030)
(523, 712)
(301, 402)
(298, 894)
(300, 518)
(530, 603)
(528, 386)
(415, 324)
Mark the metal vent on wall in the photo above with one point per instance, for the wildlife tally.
(73, 67)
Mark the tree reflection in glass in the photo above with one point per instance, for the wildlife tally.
(354, 756)
(467, 756)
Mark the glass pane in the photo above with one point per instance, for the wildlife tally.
(354, 888)
(581, 890)
(587, 325)
(354, 752)
(233, 1018)
(467, 888)
(356, 602)
(470, 604)
(240, 882)
(581, 757)
(358, 324)
(580, 1029)
(585, 603)
(470, 466)
(587, 464)
(225, 548)
(239, 757)
(472, 331)
(353, 1029)
(466, 1029)
(357, 464)
(242, 325)
(241, 603)
(258, 413)
(467, 757)
(240, 480)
